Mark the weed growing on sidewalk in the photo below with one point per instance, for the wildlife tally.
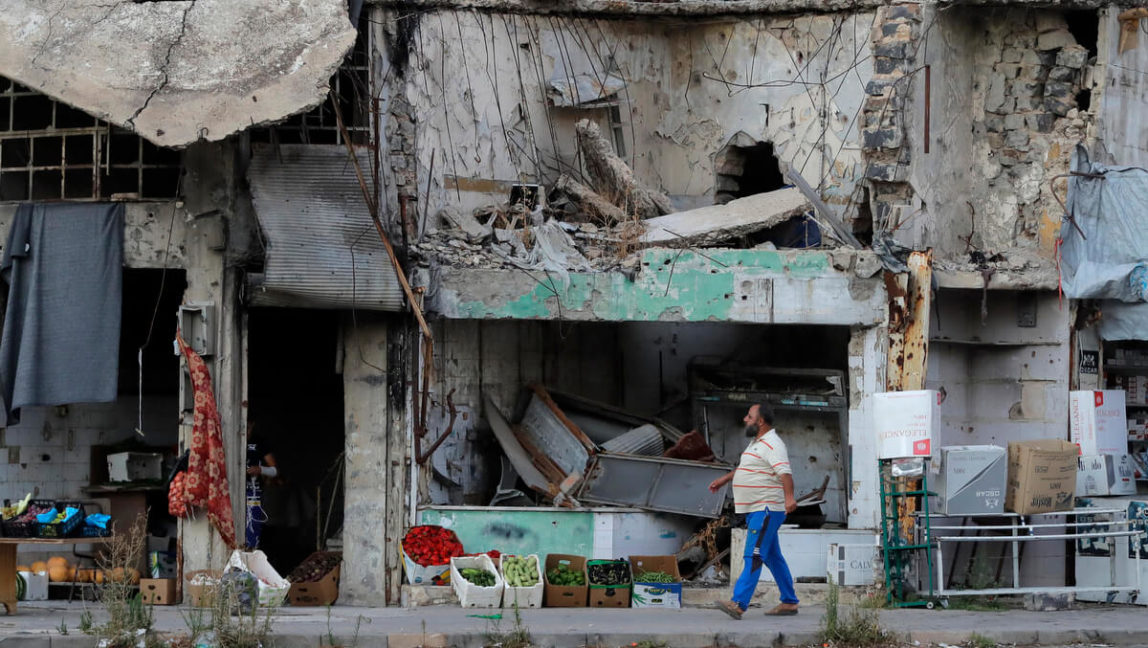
(63, 627)
(860, 627)
(332, 643)
(978, 640)
(129, 620)
(518, 637)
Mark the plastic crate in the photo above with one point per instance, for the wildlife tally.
(469, 594)
(29, 529)
(90, 531)
(68, 528)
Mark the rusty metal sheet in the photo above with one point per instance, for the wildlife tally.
(546, 431)
(655, 484)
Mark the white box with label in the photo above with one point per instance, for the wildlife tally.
(904, 422)
(1105, 475)
(1098, 422)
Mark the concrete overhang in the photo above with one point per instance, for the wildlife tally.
(179, 71)
(672, 285)
(709, 8)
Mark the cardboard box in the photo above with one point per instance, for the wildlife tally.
(324, 591)
(904, 422)
(200, 587)
(1105, 475)
(135, 466)
(609, 595)
(158, 591)
(566, 595)
(655, 595)
(1098, 422)
(1041, 476)
(970, 480)
(852, 565)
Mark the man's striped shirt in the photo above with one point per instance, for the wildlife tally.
(757, 482)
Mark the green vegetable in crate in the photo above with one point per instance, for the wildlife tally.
(654, 577)
(519, 571)
(479, 577)
(563, 576)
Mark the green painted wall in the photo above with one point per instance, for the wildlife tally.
(509, 531)
(694, 286)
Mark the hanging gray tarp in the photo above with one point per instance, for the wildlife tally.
(1110, 260)
(1104, 249)
(63, 264)
(322, 248)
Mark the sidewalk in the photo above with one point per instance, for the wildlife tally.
(37, 625)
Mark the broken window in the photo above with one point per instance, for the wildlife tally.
(351, 85)
(744, 168)
(51, 151)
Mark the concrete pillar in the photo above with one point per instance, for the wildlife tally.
(366, 496)
(867, 363)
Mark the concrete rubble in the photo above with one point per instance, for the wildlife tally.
(720, 223)
(177, 72)
(612, 178)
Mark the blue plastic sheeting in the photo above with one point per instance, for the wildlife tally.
(1110, 261)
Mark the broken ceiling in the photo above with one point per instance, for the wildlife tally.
(180, 71)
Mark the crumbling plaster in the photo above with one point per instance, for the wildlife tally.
(1003, 123)
(177, 72)
(1124, 100)
(691, 88)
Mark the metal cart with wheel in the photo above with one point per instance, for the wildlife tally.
(905, 537)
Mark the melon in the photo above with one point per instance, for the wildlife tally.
(133, 576)
(84, 576)
(21, 587)
(58, 574)
(57, 561)
(39, 567)
(98, 576)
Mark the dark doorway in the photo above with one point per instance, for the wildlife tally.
(761, 173)
(295, 404)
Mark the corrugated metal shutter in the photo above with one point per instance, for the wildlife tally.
(322, 249)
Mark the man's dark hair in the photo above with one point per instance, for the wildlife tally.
(765, 412)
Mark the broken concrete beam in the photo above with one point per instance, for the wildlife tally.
(177, 72)
(595, 207)
(611, 177)
(718, 223)
(466, 224)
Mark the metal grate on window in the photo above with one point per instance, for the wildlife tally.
(351, 85)
(51, 151)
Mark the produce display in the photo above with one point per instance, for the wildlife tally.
(315, 567)
(610, 573)
(493, 553)
(431, 545)
(479, 577)
(520, 572)
(17, 509)
(21, 587)
(31, 512)
(563, 576)
(654, 577)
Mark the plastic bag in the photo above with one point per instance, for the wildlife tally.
(272, 588)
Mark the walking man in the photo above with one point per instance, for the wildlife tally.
(763, 492)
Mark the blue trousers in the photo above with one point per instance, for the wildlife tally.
(763, 548)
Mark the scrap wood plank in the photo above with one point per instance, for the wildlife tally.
(717, 223)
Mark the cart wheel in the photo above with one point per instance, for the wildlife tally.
(929, 605)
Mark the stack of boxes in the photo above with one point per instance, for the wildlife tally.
(1098, 423)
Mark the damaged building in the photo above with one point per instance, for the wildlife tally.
(518, 270)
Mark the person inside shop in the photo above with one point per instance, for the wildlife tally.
(260, 466)
(763, 492)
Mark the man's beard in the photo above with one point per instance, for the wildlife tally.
(751, 429)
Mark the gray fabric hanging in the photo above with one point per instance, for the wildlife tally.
(63, 264)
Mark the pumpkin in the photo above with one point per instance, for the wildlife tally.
(133, 576)
(57, 561)
(39, 567)
(58, 574)
(83, 575)
(98, 576)
(23, 568)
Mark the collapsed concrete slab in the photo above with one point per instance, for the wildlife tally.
(177, 72)
(718, 223)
